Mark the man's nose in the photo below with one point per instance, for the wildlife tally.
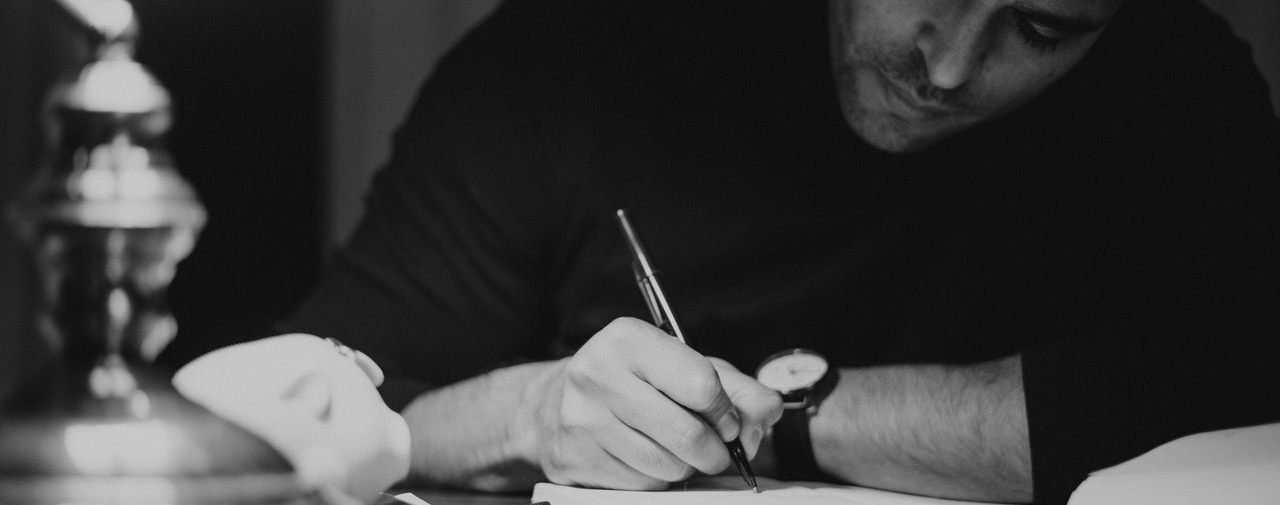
(954, 44)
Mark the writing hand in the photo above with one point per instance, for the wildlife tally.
(637, 409)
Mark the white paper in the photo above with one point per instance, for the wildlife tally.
(1238, 467)
(728, 490)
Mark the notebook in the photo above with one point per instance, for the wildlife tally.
(729, 490)
(1237, 466)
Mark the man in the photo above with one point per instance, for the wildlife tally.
(1034, 235)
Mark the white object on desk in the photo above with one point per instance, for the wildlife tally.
(1238, 467)
(728, 490)
(411, 499)
(317, 405)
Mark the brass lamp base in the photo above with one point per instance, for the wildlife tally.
(60, 443)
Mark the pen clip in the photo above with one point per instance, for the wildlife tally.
(649, 300)
(647, 278)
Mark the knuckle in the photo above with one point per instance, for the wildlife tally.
(623, 328)
(689, 437)
(573, 419)
(576, 416)
(705, 390)
(660, 464)
(613, 343)
(588, 372)
(579, 370)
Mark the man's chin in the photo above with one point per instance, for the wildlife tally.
(893, 135)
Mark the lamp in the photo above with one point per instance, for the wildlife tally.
(108, 218)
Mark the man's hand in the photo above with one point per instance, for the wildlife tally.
(633, 409)
(315, 405)
(637, 409)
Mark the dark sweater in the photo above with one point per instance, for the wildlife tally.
(1118, 231)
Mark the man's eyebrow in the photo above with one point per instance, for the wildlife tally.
(1060, 22)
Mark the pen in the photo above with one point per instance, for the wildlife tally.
(664, 318)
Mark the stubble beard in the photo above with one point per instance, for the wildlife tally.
(879, 128)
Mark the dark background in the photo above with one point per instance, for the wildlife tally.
(246, 78)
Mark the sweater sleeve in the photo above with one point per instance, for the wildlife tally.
(441, 279)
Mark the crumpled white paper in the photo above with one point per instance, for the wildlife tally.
(318, 407)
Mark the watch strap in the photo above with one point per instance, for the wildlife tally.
(793, 446)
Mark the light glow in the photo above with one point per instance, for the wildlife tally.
(109, 17)
(120, 170)
(131, 447)
(121, 86)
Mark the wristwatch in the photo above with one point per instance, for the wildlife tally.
(803, 378)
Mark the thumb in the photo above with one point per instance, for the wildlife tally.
(758, 406)
(721, 412)
(729, 425)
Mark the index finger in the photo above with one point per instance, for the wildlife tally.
(686, 377)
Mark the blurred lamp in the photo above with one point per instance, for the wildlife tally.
(108, 218)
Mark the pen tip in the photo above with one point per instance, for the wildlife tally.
(755, 490)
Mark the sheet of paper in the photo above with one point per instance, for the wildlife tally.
(411, 499)
(728, 490)
(399, 499)
(1238, 466)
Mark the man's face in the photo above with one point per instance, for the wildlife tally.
(911, 72)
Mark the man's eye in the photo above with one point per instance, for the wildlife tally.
(1037, 35)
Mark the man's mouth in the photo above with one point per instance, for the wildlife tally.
(905, 103)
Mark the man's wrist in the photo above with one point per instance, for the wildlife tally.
(538, 380)
(480, 433)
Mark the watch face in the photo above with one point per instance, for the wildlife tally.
(790, 372)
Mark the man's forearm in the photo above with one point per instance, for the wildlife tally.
(942, 430)
(473, 435)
